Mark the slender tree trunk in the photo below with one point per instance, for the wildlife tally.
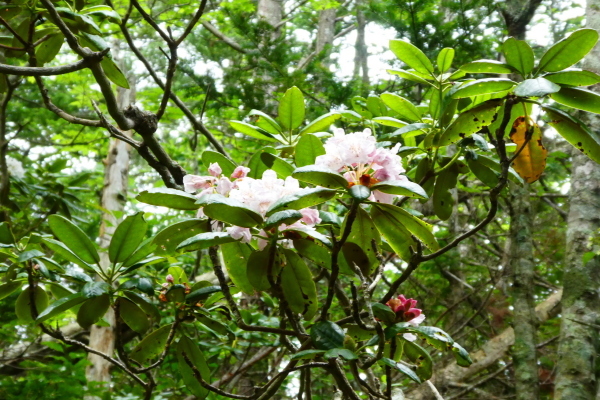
(272, 12)
(522, 265)
(361, 54)
(326, 30)
(114, 195)
(577, 353)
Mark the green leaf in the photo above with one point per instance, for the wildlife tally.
(495, 166)
(402, 106)
(139, 256)
(114, 73)
(104, 12)
(408, 75)
(397, 236)
(170, 198)
(321, 123)
(421, 358)
(92, 310)
(409, 131)
(209, 157)
(178, 275)
(192, 352)
(252, 131)
(402, 368)
(61, 305)
(127, 237)
(411, 56)
(443, 202)
(95, 289)
(327, 335)
(417, 227)
(291, 109)
(309, 147)
(568, 51)
(74, 238)
(470, 122)
(358, 249)
(303, 232)
(463, 358)
(48, 49)
(152, 345)
(287, 217)
(298, 286)
(575, 133)
(487, 67)
(62, 250)
(257, 271)
(229, 210)
(360, 193)
(482, 86)
(389, 121)
(133, 315)
(384, 313)
(444, 59)
(9, 288)
(320, 255)
(169, 238)
(205, 240)
(396, 329)
(376, 106)
(320, 176)
(145, 304)
(581, 99)
(277, 164)
(202, 293)
(6, 236)
(23, 304)
(519, 55)
(401, 188)
(537, 87)
(434, 336)
(235, 257)
(306, 354)
(28, 255)
(574, 77)
(256, 165)
(265, 122)
(344, 353)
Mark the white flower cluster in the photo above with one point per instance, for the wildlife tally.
(361, 161)
(256, 194)
(15, 168)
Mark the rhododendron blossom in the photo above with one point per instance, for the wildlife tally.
(357, 156)
(406, 311)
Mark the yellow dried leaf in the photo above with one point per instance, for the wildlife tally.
(531, 161)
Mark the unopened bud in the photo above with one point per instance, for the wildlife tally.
(170, 278)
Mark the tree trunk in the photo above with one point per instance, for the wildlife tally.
(114, 196)
(576, 373)
(272, 12)
(522, 266)
(361, 54)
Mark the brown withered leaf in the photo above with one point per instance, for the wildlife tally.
(531, 161)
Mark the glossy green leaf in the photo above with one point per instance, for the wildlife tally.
(320, 255)
(265, 122)
(187, 348)
(152, 345)
(306, 354)
(402, 106)
(28, 255)
(23, 304)
(48, 49)
(169, 238)
(304, 232)
(444, 59)
(258, 269)
(421, 358)
(574, 77)
(389, 121)
(92, 310)
(411, 56)
(408, 75)
(485, 174)
(320, 176)
(360, 193)
(417, 227)
(209, 157)
(229, 210)
(401, 188)
(406, 370)
(376, 106)
(495, 166)
(436, 337)
(252, 131)
(443, 202)
(359, 248)
(170, 198)
(321, 123)
(94, 289)
(575, 132)
(104, 12)
(133, 315)
(327, 335)
(343, 353)
(298, 286)
(64, 252)
(291, 109)
(463, 358)
(6, 236)
(127, 237)
(9, 288)
(74, 238)
(384, 313)
(568, 51)
(178, 274)
(114, 73)
(396, 235)
(482, 86)
(469, 122)
(256, 165)
(277, 164)
(235, 257)
(309, 147)
(205, 240)
(537, 87)
(145, 304)
(487, 67)
(202, 293)
(581, 99)
(519, 55)
(140, 254)
(287, 217)
(61, 305)
(409, 131)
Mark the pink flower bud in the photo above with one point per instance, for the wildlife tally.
(170, 278)
(215, 170)
(240, 172)
(406, 310)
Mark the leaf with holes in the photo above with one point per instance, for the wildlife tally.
(470, 122)
(402, 368)
(152, 345)
(575, 132)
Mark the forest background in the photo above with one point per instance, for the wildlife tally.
(521, 294)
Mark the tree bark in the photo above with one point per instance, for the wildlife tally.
(576, 374)
(272, 12)
(522, 267)
(114, 195)
(361, 54)
(518, 14)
